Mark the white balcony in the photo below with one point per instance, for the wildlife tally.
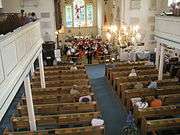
(18, 50)
(167, 30)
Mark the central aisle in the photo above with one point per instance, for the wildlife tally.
(112, 110)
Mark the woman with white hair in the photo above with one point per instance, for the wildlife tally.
(133, 73)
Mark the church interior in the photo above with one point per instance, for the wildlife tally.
(89, 67)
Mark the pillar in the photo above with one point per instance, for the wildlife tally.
(160, 76)
(158, 47)
(32, 69)
(41, 70)
(29, 101)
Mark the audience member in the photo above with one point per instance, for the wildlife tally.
(34, 17)
(85, 99)
(152, 84)
(156, 102)
(74, 90)
(138, 85)
(73, 68)
(29, 17)
(142, 104)
(133, 73)
(97, 122)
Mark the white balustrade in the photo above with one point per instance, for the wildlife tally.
(18, 50)
(167, 30)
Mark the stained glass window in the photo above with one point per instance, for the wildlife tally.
(69, 22)
(79, 13)
(89, 15)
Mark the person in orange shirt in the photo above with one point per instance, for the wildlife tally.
(156, 102)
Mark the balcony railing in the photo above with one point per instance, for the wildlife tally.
(167, 30)
(18, 50)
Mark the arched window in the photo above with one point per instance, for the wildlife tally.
(79, 14)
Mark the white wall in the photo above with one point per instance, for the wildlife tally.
(47, 24)
(144, 17)
(1, 4)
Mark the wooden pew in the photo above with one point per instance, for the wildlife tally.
(132, 93)
(61, 72)
(170, 99)
(62, 108)
(120, 69)
(170, 102)
(59, 83)
(59, 120)
(152, 124)
(59, 67)
(130, 85)
(60, 90)
(124, 64)
(60, 77)
(54, 99)
(151, 111)
(126, 73)
(144, 75)
(120, 80)
(86, 130)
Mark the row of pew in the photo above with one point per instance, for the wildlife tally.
(58, 112)
(150, 120)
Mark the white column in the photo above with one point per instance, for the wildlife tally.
(41, 70)
(32, 69)
(29, 101)
(158, 47)
(160, 76)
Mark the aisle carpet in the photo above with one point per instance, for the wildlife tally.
(113, 111)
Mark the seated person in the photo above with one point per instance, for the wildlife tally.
(74, 90)
(73, 68)
(133, 73)
(130, 118)
(156, 102)
(149, 63)
(142, 104)
(85, 99)
(152, 84)
(112, 59)
(138, 85)
(97, 122)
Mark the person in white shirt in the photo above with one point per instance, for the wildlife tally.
(142, 104)
(85, 99)
(73, 68)
(97, 122)
(133, 73)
